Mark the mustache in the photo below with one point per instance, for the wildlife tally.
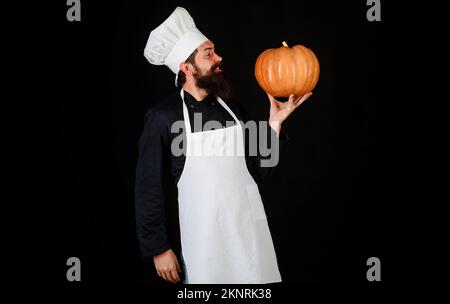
(217, 65)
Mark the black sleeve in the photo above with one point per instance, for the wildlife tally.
(149, 193)
(260, 164)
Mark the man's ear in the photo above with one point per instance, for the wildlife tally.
(184, 67)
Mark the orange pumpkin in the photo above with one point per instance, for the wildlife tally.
(284, 71)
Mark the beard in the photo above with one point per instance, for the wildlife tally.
(214, 81)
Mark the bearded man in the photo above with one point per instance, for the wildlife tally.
(224, 232)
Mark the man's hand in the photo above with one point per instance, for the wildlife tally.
(167, 266)
(279, 111)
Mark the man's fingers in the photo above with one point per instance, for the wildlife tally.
(164, 276)
(290, 101)
(168, 275)
(175, 276)
(301, 99)
(306, 96)
(271, 99)
(172, 275)
(296, 100)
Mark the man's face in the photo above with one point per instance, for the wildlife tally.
(208, 71)
(207, 62)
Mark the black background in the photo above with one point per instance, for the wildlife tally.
(345, 186)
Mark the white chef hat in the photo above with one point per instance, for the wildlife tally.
(173, 41)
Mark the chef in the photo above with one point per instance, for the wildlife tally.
(224, 232)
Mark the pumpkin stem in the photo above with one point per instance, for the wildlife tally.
(285, 44)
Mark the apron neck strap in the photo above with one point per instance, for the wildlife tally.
(228, 109)
(187, 121)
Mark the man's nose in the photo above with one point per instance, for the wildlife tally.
(217, 58)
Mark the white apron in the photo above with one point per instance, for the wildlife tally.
(225, 236)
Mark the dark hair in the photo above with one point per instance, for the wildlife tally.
(181, 76)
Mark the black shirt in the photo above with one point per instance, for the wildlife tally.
(155, 157)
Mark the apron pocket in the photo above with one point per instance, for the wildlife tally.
(257, 207)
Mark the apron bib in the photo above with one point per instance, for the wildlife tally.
(225, 237)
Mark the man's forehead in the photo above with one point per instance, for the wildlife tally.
(205, 45)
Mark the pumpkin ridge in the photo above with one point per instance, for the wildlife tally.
(283, 64)
(310, 70)
(294, 71)
(268, 76)
(298, 63)
(278, 71)
(290, 71)
(304, 63)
